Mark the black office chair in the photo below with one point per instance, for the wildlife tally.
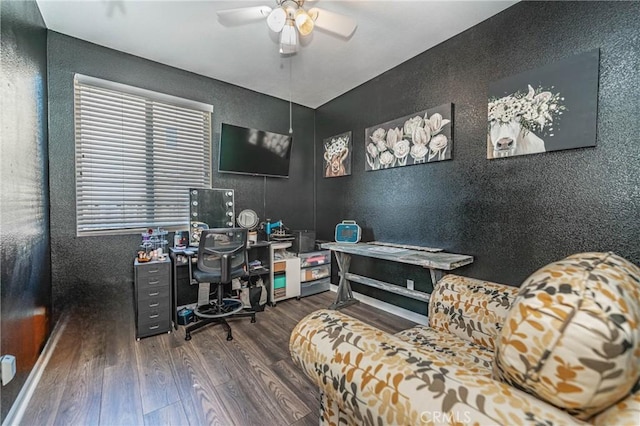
(222, 256)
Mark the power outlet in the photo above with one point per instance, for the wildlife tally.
(8, 368)
(409, 284)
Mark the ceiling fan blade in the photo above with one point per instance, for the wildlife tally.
(243, 15)
(332, 22)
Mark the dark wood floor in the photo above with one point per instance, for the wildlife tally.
(100, 375)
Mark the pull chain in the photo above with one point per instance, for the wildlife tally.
(290, 107)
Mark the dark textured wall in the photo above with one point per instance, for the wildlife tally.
(25, 286)
(516, 214)
(102, 266)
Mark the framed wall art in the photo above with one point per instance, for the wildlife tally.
(337, 155)
(419, 138)
(550, 108)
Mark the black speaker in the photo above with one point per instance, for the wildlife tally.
(304, 241)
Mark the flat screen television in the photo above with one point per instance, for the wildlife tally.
(254, 152)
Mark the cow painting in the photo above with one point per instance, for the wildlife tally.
(516, 122)
(508, 139)
(337, 157)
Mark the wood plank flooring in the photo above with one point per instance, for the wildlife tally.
(100, 375)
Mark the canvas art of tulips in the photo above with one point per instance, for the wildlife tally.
(418, 138)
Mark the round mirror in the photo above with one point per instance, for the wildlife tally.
(248, 219)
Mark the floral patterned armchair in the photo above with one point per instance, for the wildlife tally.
(564, 348)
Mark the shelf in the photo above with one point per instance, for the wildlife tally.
(258, 272)
(259, 244)
(315, 258)
(313, 273)
(315, 287)
(280, 245)
(284, 278)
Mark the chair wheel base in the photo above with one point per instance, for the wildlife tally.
(187, 337)
(224, 308)
(229, 337)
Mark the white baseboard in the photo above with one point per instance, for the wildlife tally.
(388, 307)
(14, 416)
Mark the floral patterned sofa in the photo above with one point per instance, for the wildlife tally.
(564, 348)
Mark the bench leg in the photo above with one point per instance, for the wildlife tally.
(344, 295)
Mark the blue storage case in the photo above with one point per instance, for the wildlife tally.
(348, 232)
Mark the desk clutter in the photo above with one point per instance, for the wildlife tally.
(274, 273)
(253, 293)
(172, 289)
(257, 266)
(153, 246)
(186, 316)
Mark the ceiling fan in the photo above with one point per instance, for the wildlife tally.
(290, 18)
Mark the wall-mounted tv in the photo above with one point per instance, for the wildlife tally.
(254, 152)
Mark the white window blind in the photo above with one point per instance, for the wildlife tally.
(137, 153)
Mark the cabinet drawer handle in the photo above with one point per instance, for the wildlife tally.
(154, 294)
(153, 305)
(152, 271)
(154, 282)
(153, 327)
(154, 316)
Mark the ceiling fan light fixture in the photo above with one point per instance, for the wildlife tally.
(287, 49)
(288, 39)
(303, 21)
(277, 19)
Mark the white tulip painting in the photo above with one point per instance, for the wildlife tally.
(423, 137)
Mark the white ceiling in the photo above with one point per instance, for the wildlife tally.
(187, 34)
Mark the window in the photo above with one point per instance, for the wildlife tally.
(137, 153)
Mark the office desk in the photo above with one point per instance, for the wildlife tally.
(437, 263)
(184, 292)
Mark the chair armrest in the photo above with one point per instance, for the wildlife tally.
(470, 309)
(376, 378)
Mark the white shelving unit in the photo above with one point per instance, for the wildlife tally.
(284, 274)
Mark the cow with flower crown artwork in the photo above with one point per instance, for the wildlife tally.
(337, 155)
(515, 119)
(552, 107)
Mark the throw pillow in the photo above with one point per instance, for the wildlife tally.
(572, 336)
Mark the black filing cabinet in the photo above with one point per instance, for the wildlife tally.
(152, 297)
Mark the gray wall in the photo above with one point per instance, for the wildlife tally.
(517, 214)
(90, 268)
(25, 286)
